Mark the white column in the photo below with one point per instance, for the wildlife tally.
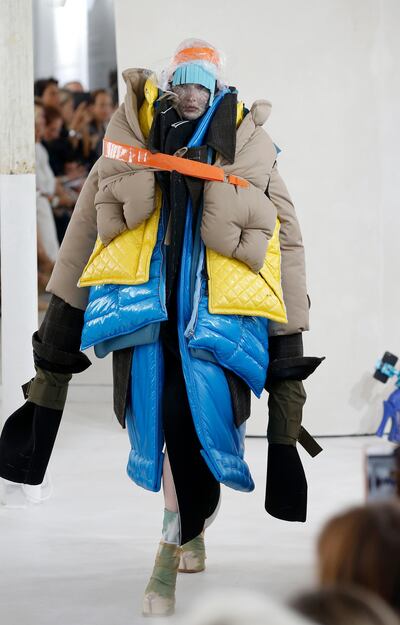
(17, 200)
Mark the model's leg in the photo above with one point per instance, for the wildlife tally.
(191, 492)
(197, 490)
(193, 556)
(159, 597)
(170, 500)
(193, 553)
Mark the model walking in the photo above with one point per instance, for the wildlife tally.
(194, 228)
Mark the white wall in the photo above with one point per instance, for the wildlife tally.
(44, 44)
(75, 41)
(101, 43)
(61, 40)
(329, 68)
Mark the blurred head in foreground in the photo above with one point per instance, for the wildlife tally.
(344, 606)
(232, 607)
(362, 546)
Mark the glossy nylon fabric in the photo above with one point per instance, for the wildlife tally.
(115, 312)
(207, 389)
(209, 395)
(238, 343)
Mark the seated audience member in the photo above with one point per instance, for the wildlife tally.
(67, 108)
(71, 140)
(76, 125)
(63, 165)
(349, 605)
(59, 147)
(47, 90)
(46, 191)
(362, 546)
(101, 110)
(63, 143)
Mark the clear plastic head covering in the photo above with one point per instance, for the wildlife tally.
(190, 54)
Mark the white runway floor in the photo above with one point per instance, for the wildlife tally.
(83, 556)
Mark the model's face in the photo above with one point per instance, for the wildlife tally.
(192, 100)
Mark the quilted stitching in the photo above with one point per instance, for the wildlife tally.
(234, 289)
(237, 342)
(234, 470)
(117, 310)
(126, 260)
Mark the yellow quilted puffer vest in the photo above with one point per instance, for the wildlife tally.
(126, 260)
(233, 287)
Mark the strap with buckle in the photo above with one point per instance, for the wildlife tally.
(166, 162)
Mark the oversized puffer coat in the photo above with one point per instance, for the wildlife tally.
(124, 201)
(99, 212)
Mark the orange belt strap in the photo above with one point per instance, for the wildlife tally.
(166, 162)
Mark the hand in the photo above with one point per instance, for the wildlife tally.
(75, 170)
(65, 199)
(79, 118)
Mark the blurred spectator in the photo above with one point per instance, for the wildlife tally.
(233, 607)
(344, 606)
(75, 86)
(75, 125)
(73, 136)
(101, 110)
(66, 106)
(362, 546)
(63, 155)
(47, 90)
(64, 166)
(46, 185)
(53, 123)
(56, 142)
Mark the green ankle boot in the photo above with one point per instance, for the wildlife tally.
(193, 556)
(159, 596)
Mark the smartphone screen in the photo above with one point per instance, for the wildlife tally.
(382, 472)
(81, 96)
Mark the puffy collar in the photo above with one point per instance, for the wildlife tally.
(135, 79)
(257, 116)
(222, 135)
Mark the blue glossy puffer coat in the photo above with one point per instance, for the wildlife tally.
(117, 316)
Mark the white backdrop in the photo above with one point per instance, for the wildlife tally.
(74, 41)
(329, 68)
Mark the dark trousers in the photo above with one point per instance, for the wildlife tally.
(196, 488)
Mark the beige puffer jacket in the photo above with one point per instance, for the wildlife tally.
(236, 222)
(239, 222)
